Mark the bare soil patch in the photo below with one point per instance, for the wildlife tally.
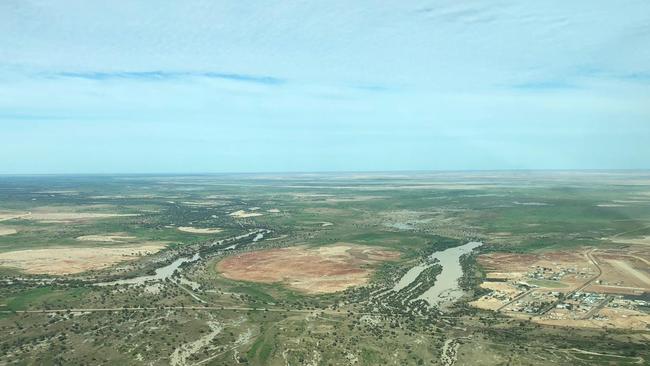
(644, 240)
(55, 217)
(244, 214)
(324, 269)
(493, 303)
(197, 230)
(7, 231)
(625, 271)
(60, 261)
(606, 318)
(108, 238)
(5, 216)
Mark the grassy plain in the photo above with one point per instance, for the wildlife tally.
(198, 315)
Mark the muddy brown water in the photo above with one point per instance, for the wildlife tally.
(446, 288)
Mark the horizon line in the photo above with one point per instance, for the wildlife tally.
(297, 172)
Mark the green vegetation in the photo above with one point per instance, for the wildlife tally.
(197, 315)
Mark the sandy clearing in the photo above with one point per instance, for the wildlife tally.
(5, 216)
(500, 286)
(244, 214)
(68, 260)
(72, 216)
(644, 240)
(324, 269)
(624, 266)
(7, 231)
(487, 303)
(109, 238)
(611, 318)
(197, 230)
(492, 303)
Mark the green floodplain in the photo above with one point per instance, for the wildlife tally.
(64, 240)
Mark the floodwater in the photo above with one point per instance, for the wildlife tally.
(168, 270)
(446, 288)
(161, 273)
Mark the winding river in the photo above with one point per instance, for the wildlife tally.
(168, 270)
(446, 288)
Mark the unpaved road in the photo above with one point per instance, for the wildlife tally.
(195, 308)
(593, 260)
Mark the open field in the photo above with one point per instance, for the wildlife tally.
(54, 215)
(266, 269)
(61, 261)
(62, 217)
(325, 269)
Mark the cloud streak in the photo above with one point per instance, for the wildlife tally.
(168, 75)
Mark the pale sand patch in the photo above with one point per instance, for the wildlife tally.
(197, 230)
(5, 216)
(7, 231)
(244, 214)
(626, 267)
(110, 238)
(644, 240)
(68, 260)
(72, 216)
(611, 318)
(487, 303)
(504, 275)
(492, 303)
(501, 287)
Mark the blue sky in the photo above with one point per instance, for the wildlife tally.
(230, 86)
